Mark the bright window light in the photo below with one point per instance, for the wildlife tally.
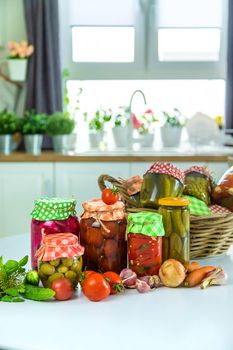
(202, 44)
(103, 44)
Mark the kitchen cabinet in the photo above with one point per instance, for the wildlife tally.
(80, 179)
(20, 185)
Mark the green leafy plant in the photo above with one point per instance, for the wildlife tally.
(60, 124)
(102, 116)
(33, 123)
(173, 119)
(66, 98)
(122, 118)
(9, 123)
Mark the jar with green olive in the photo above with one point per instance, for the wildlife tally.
(176, 221)
(60, 255)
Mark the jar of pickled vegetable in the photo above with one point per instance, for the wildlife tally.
(161, 180)
(176, 221)
(198, 183)
(145, 231)
(102, 233)
(53, 215)
(60, 255)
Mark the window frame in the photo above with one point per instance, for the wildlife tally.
(146, 64)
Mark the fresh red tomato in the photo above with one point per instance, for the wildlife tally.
(110, 195)
(63, 288)
(95, 287)
(84, 275)
(115, 282)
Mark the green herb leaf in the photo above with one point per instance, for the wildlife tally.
(23, 261)
(11, 266)
(12, 292)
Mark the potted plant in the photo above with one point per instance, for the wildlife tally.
(60, 126)
(172, 129)
(33, 127)
(120, 129)
(18, 59)
(145, 127)
(96, 126)
(8, 126)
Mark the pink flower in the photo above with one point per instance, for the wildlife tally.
(136, 123)
(149, 111)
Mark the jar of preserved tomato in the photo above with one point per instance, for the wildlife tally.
(53, 215)
(145, 231)
(161, 180)
(60, 255)
(102, 233)
(176, 221)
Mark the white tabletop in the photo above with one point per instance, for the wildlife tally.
(182, 319)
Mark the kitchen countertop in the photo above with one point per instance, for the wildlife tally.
(165, 318)
(185, 154)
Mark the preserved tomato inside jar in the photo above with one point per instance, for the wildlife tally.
(145, 231)
(57, 220)
(104, 240)
(145, 254)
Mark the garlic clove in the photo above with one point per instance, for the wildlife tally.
(217, 277)
(142, 286)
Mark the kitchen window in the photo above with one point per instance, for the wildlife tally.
(144, 39)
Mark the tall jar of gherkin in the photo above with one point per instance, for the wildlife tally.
(176, 221)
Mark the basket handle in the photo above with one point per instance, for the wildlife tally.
(103, 178)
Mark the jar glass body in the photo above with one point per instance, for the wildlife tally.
(176, 242)
(71, 224)
(71, 268)
(105, 250)
(157, 186)
(144, 254)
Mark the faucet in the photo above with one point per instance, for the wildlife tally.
(130, 129)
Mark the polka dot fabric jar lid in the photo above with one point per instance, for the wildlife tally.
(46, 209)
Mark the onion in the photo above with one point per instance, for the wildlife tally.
(172, 273)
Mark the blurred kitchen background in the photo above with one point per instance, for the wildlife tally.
(93, 54)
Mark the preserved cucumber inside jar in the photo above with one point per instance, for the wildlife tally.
(176, 247)
(198, 186)
(167, 221)
(165, 246)
(157, 186)
(177, 222)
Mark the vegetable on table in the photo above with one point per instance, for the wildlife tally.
(95, 287)
(172, 273)
(142, 286)
(32, 277)
(63, 288)
(129, 278)
(217, 277)
(194, 278)
(37, 293)
(193, 266)
(115, 282)
(110, 195)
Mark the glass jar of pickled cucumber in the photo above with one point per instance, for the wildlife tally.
(53, 215)
(145, 231)
(161, 180)
(176, 221)
(60, 255)
(198, 183)
(102, 233)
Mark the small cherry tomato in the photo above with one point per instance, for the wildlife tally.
(63, 288)
(115, 282)
(95, 287)
(110, 195)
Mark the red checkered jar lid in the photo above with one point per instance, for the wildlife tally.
(168, 169)
(59, 245)
(200, 170)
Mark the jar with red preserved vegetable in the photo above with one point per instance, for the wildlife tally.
(145, 231)
(52, 215)
(102, 233)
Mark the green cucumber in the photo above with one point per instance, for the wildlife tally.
(37, 293)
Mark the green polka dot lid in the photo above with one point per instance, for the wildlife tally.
(53, 209)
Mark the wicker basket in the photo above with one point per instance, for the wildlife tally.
(210, 235)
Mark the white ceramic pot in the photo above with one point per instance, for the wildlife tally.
(121, 134)
(171, 135)
(61, 143)
(95, 138)
(147, 140)
(33, 144)
(6, 144)
(17, 69)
